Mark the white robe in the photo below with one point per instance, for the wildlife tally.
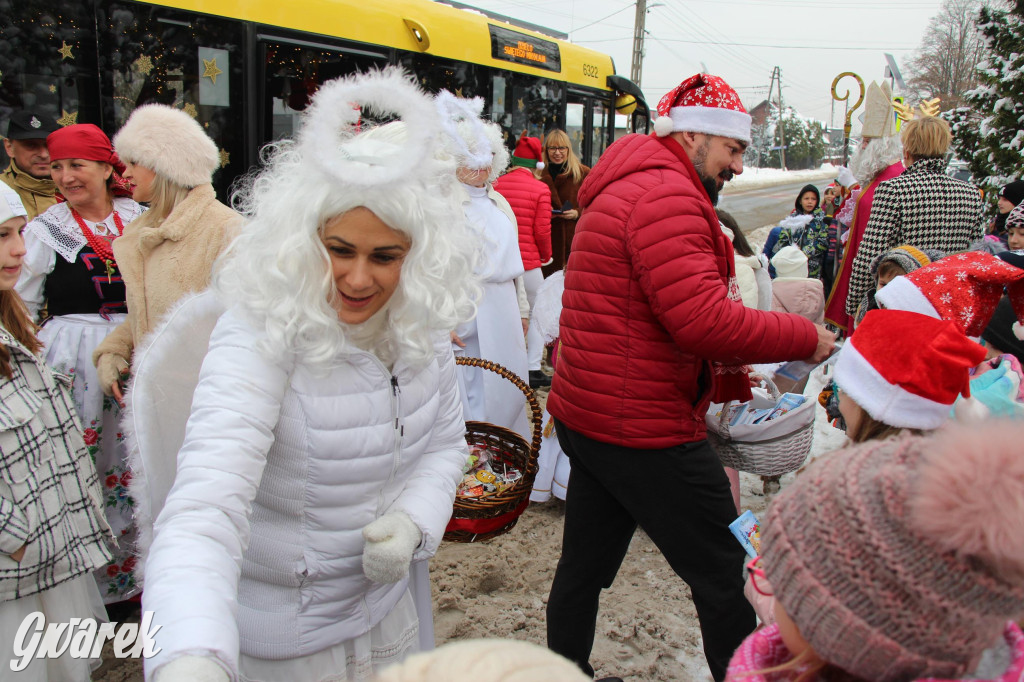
(496, 334)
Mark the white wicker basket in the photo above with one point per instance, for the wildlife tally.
(771, 457)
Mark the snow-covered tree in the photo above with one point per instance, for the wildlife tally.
(805, 141)
(988, 132)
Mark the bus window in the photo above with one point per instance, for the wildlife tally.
(435, 74)
(48, 61)
(295, 72)
(192, 62)
(520, 102)
(574, 126)
(599, 129)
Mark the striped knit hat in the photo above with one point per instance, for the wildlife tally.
(906, 256)
(903, 558)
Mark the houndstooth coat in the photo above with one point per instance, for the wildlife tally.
(49, 491)
(922, 207)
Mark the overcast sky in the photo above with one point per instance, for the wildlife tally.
(812, 41)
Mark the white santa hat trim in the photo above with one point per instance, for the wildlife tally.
(902, 294)
(708, 120)
(887, 402)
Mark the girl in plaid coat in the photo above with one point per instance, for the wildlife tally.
(52, 530)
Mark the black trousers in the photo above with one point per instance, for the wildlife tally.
(686, 512)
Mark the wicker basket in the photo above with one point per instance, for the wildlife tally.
(772, 457)
(475, 519)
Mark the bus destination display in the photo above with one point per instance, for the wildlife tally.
(520, 48)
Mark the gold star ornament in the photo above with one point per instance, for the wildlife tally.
(210, 70)
(53, 88)
(65, 51)
(190, 109)
(143, 64)
(68, 119)
(225, 158)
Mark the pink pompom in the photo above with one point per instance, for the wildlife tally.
(1018, 330)
(663, 126)
(970, 495)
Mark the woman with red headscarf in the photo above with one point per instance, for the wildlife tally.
(70, 273)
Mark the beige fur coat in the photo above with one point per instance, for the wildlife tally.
(160, 265)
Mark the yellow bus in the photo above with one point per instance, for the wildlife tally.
(246, 69)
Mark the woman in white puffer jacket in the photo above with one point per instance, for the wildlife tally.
(326, 434)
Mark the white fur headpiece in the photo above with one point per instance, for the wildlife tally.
(330, 136)
(453, 111)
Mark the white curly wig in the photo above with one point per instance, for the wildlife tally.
(470, 141)
(278, 269)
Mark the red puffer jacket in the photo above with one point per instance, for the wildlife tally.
(531, 202)
(646, 307)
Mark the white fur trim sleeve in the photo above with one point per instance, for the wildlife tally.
(430, 491)
(194, 563)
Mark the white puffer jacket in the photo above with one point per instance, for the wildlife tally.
(280, 470)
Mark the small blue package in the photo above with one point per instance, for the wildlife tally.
(747, 530)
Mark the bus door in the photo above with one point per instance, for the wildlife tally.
(289, 72)
(587, 121)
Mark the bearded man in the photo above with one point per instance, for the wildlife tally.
(878, 159)
(29, 171)
(653, 330)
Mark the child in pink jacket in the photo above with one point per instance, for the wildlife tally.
(792, 290)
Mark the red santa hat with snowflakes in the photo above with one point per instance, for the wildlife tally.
(963, 288)
(703, 104)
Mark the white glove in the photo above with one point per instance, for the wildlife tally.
(191, 669)
(390, 542)
(845, 177)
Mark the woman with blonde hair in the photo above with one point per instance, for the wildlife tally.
(314, 455)
(169, 250)
(563, 173)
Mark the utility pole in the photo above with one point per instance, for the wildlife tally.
(777, 78)
(636, 68)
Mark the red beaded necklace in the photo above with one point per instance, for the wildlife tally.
(101, 245)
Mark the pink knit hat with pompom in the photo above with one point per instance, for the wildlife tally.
(904, 558)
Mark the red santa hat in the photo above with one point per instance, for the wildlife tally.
(964, 288)
(528, 152)
(906, 369)
(703, 104)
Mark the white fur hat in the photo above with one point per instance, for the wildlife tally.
(170, 143)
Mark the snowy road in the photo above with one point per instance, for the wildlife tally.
(758, 206)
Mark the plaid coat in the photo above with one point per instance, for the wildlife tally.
(922, 207)
(49, 491)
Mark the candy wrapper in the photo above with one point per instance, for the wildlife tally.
(747, 530)
(486, 475)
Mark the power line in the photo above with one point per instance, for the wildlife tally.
(618, 11)
(880, 48)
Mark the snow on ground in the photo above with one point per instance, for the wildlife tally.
(753, 178)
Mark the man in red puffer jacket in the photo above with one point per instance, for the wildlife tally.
(652, 330)
(530, 200)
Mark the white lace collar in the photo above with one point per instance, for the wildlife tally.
(57, 227)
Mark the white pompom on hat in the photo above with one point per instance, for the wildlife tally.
(703, 104)
(170, 143)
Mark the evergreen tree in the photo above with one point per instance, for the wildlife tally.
(988, 132)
